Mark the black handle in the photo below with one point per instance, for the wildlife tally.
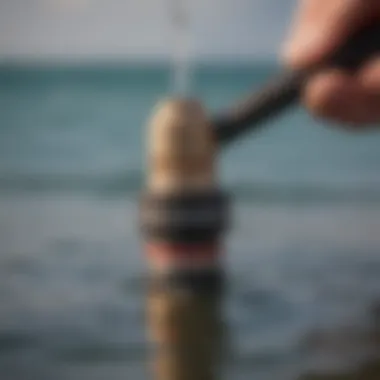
(284, 91)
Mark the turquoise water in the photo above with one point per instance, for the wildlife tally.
(303, 256)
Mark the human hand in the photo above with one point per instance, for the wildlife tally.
(321, 26)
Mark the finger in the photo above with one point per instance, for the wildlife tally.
(341, 97)
(370, 76)
(320, 26)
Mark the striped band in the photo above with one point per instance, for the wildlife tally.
(188, 218)
(166, 256)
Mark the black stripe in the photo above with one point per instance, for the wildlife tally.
(184, 217)
(206, 282)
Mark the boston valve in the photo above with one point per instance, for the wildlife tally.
(183, 219)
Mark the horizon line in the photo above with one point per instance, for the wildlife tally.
(119, 64)
(21, 59)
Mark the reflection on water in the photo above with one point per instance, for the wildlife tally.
(301, 299)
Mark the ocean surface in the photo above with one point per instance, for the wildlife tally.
(303, 256)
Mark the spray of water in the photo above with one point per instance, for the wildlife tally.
(180, 19)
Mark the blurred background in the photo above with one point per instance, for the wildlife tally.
(78, 80)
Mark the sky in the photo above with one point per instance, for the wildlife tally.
(141, 29)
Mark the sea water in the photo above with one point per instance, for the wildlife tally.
(303, 254)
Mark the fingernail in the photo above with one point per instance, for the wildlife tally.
(303, 46)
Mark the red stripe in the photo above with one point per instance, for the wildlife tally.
(178, 252)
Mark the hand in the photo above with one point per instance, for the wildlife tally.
(320, 26)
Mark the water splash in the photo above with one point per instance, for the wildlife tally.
(181, 32)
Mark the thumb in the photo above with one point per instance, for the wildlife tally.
(321, 26)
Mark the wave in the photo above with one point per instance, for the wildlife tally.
(130, 184)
